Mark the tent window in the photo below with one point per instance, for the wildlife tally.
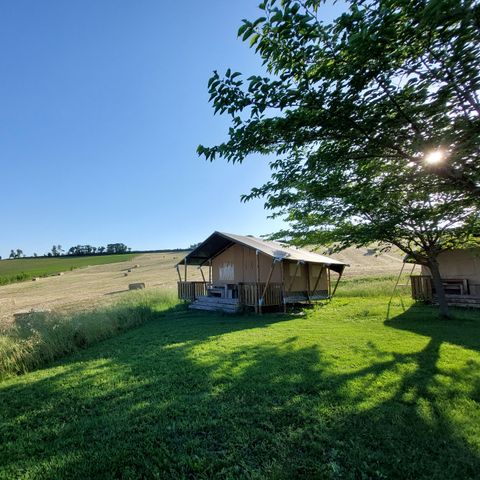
(226, 272)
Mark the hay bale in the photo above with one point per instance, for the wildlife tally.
(129, 270)
(125, 274)
(136, 286)
(136, 265)
(59, 274)
(35, 279)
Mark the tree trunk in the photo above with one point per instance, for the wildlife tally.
(439, 288)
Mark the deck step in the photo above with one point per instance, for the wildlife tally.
(218, 300)
(219, 304)
(213, 308)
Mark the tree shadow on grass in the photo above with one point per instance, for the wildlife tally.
(210, 396)
(463, 330)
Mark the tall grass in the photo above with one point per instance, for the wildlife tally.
(372, 286)
(38, 339)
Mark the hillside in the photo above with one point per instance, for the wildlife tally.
(102, 284)
(26, 268)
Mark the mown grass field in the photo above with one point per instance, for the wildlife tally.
(26, 268)
(334, 392)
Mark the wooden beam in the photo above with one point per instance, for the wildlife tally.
(307, 269)
(294, 275)
(179, 276)
(258, 308)
(338, 281)
(203, 276)
(210, 271)
(218, 253)
(185, 262)
(282, 264)
(318, 279)
(268, 281)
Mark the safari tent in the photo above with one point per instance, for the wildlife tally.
(244, 271)
(460, 272)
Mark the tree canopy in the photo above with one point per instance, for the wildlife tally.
(373, 121)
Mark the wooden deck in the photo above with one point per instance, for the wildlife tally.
(422, 290)
(204, 296)
(191, 290)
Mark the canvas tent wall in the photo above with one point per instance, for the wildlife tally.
(238, 264)
(461, 265)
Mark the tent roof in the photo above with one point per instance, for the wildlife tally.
(219, 241)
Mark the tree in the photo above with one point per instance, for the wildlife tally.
(100, 250)
(113, 248)
(373, 121)
(18, 253)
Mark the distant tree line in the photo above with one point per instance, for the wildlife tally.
(77, 251)
(110, 249)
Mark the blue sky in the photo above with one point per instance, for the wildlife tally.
(102, 106)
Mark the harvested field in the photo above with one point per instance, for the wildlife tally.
(89, 287)
(103, 284)
(21, 269)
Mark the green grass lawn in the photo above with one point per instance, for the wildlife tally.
(336, 392)
(26, 268)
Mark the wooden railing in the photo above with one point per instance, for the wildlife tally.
(422, 287)
(249, 294)
(191, 290)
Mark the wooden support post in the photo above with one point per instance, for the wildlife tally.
(307, 269)
(294, 275)
(283, 287)
(318, 279)
(179, 276)
(329, 282)
(185, 262)
(210, 271)
(268, 282)
(338, 281)
(258, 309)
(201, 271)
